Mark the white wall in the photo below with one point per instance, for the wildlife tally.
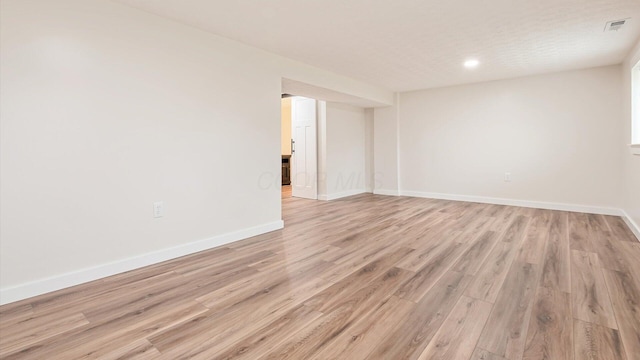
(369, 148)
(345, 150)
(631, 204)
(385, 149)
(321, 134)
(558, 135)
(106, 109)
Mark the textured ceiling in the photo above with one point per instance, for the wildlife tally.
(416, 44)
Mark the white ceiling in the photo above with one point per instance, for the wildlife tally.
(416, 44)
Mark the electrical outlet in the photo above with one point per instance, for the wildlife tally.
(158, 209)
(507, 177)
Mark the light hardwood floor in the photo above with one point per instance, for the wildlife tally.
(366, 277)
(286, 191)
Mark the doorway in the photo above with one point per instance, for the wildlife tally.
(299, 147)
(286, 141)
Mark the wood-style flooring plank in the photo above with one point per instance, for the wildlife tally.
(595, 342)
(246, 310)
(36, 329)
(423, 254)
(624, 291)
(556, 271)
(457, 337)
(412, 335)
(96, 340)
(589, 296)
(317, 334)
(255, 344)
(489, 279)
(265, 285)
(12, 313)
(83, 297)
(424, 278)
(168, 293)
(364, 335)
(137, 350)
(579, 234)
(550, 334)
(506, 329)
(605, 244)
(532, 248)
(337, 292)
(482, 354)
(354, 260)
(629, 253)
(619, 229)
(470, 262)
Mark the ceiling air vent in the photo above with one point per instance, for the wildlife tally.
(615, 25)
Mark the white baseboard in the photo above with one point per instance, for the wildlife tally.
(631, 224)
(38, 287)
(522, 203)
(341, 194)
(386, 192)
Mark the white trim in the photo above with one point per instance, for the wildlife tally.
(386, 192)
(513, 202)
(634, 149)
(635, 229)
(42, 286)
(341, 194)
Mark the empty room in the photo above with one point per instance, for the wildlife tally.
(288, 179)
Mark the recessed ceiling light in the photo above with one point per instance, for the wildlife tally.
(472, 63)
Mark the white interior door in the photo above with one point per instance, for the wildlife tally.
(304, 173)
